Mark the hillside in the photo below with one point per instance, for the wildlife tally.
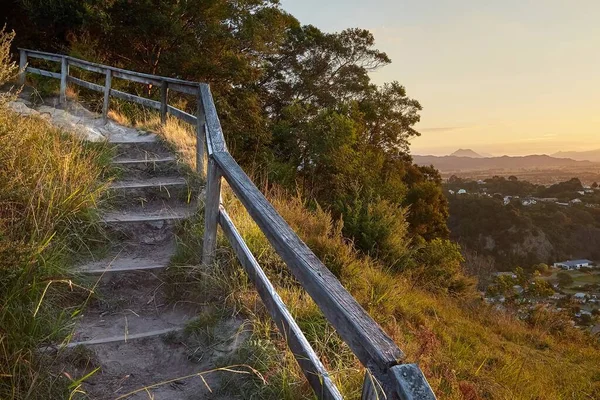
(514, 234)
(338, 170)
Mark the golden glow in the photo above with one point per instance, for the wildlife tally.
(510, 77)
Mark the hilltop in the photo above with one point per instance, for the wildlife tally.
(466, 153)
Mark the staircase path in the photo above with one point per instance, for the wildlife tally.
(130, 329)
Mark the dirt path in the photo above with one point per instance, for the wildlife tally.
(130, 331)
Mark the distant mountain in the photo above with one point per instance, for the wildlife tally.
(592, 155)
(455, 164)
(465, 153)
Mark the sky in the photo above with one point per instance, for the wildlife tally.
(499, 77)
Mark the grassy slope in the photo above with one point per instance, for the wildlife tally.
(466, 349)
(50, 183)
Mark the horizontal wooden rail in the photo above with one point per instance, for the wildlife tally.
(387, 376)
(85, 84)
(43, 72)
(164, 83)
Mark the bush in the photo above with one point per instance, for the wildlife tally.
(564, 279)
(440, 268)
(379, 228)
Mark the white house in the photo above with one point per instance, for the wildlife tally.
(573, 264)
(576, 201)
(451, 191)
(528, 202)
(580, 297)
(462, 191)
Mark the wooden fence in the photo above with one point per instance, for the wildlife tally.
(387, 377)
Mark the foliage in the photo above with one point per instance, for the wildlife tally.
(564, 279)
(297, 104)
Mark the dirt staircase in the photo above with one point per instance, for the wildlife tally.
(131, 333)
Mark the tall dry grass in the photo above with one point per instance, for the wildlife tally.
(50, 184)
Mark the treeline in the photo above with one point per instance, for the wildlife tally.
(297, 104)
(512, 186)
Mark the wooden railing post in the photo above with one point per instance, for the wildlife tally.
(200, 136)
(64, 72)
(22, 66)
(211, 212)
(107, 85)
(164, 92)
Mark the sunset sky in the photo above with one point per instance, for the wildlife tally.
(504, 77)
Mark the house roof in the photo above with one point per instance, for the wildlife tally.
(574, 263)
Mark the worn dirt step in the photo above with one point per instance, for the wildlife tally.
(166, 191)
(142, 149)
(174, 212)
(131, 305)
(125, 257)
(155, 182)
(147, 222)
(123, 161)
(133, 138)
(168, 366)
(151, 166)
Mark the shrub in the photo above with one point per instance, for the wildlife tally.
(379, 228)
(440, 268)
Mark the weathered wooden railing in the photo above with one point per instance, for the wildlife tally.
(387, 377)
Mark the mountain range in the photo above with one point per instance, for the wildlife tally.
(469, 160)
(591, 155)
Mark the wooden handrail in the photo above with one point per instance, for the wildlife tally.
(387, 376)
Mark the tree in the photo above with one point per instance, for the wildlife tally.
(542, 268)
(540, 288)
(564, 279)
